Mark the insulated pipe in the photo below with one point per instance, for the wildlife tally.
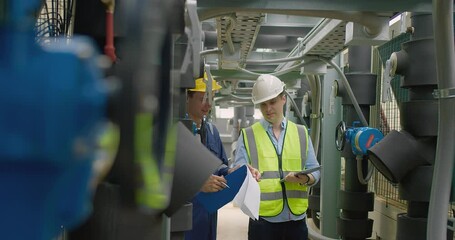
(445, 152)
(357, 62)
(369, 20)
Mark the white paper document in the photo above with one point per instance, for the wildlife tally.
(249, 196)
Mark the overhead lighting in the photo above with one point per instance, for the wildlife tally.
(266, 50)
(395, 19)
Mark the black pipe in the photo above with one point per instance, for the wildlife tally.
(420, 80)
(355, 201)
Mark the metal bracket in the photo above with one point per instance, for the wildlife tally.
(444, 93)
(316, 115)
(386, 87)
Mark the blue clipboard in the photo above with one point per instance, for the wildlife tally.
(215, 200)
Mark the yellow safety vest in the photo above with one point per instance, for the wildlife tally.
(274, 167)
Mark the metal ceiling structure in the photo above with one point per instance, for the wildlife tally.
(249, 32)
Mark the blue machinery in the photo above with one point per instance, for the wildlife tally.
(55, 104)
(52, 109)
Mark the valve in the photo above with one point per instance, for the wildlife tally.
(361, 138)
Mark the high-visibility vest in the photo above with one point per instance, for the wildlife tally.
(273, 167)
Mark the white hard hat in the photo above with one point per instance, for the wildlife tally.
(266, 87)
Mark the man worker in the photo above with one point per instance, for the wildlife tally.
(275, 149)
(198, 107)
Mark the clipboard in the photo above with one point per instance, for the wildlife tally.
(212, 201)
(306, 171)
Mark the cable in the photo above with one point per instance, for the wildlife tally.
(348, 88)
(278, 73)
(445, 152)
(315, 85)
(296, 108)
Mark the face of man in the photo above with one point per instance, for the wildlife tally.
(272, 110)
(197, 107)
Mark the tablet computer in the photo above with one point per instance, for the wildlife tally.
(306, 171)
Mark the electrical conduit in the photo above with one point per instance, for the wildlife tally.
(445, 152)
(348, 88)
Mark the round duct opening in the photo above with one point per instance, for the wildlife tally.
(395, 155)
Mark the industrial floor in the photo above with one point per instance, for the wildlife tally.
(232, 223)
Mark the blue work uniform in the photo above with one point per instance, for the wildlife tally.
(204, 223)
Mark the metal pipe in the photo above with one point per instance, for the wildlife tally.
(279, 60)
(210, 51)
(315, 84)
(314, 235)
(445, 152)
(330, 158)
(301, 44)
(240, 98)
(277, 73)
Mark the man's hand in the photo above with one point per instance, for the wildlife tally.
(302, 179)
(214, 184)
(256, 174)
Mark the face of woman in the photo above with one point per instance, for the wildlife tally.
(197, 107)
(272, 110)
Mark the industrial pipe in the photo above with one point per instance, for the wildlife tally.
(315, 85)
(279, 60)
(210, 51)
(445, 152)
(313, 234)
(109, 48)
(277, 73)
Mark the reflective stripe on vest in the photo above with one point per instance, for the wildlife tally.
(294, 154)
